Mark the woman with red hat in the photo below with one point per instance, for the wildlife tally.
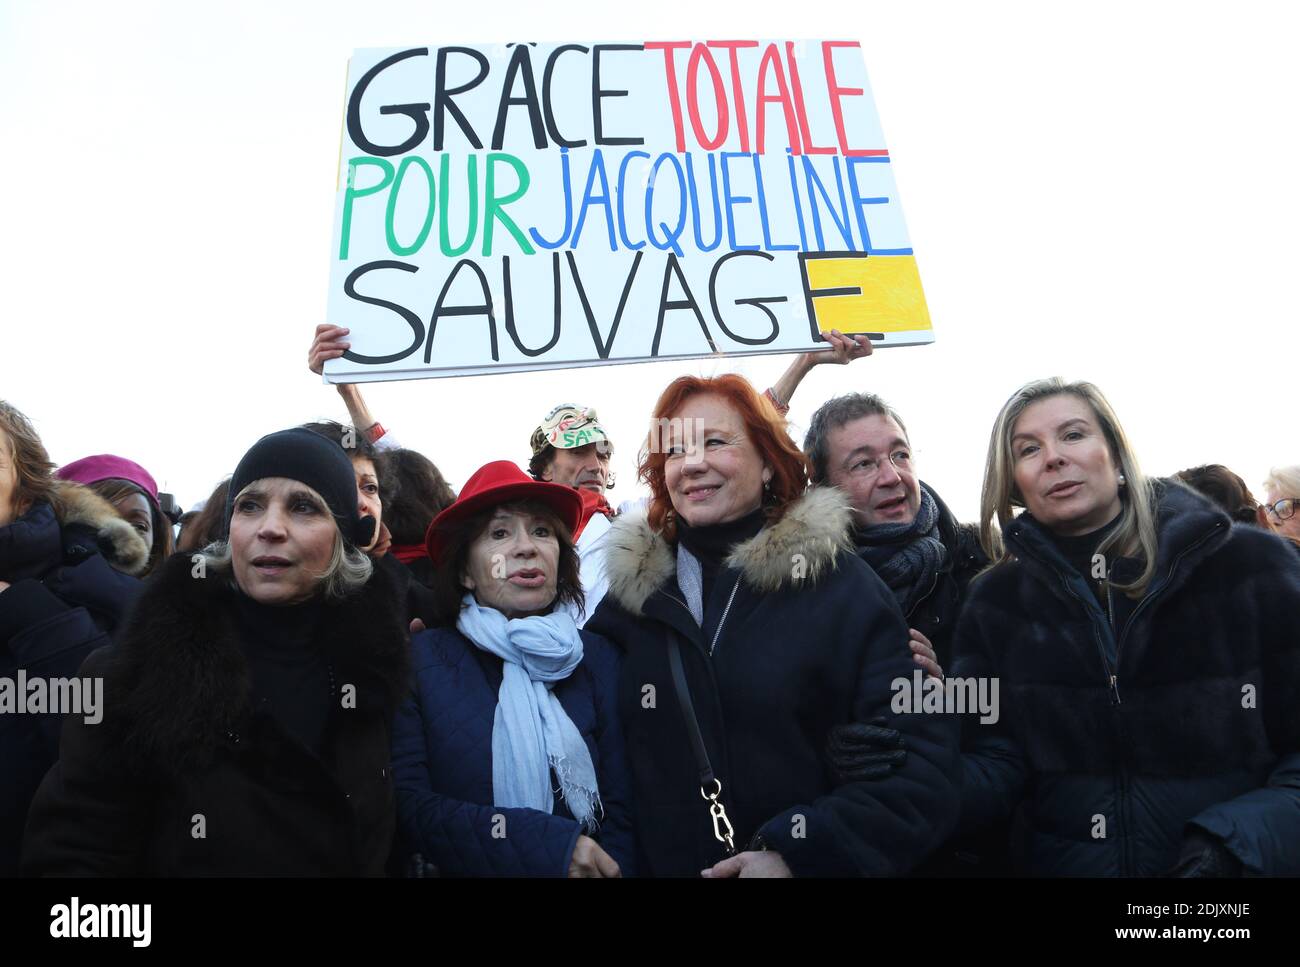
(512, 701)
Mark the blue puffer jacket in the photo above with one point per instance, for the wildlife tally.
(1198, 729)
(442, 764)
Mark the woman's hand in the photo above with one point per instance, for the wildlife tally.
(4, 586)
(923, 654)
(844, 349)
(328, 344)
(751, 863)
(590, 861)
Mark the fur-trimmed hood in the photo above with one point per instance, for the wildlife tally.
(179, 683)
(803, 543)
(120, 543)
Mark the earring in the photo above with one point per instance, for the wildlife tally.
(1122, 481)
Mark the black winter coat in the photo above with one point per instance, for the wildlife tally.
(183, 778)
(811, 640)
(1199, 729)
(412, 595)
(65, 599)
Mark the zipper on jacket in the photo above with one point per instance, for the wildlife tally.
(725, 611)
(1121, 773)
(1110, 620)
(922, 598)
(1121, 805)
(1112, 679)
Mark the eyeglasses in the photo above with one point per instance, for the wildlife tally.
(867, 468)
(1284, 509)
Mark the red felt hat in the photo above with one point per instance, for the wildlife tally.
(501, 482)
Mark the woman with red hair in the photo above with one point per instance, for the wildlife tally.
(759, 657)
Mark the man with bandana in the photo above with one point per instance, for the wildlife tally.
(571, 447)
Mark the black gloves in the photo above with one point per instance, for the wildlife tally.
(1204, 856)
(857, 752)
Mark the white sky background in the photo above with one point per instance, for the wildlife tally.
(1099, 190)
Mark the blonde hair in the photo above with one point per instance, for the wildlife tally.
(347, 571)
(1134, 536)
(1284, 481)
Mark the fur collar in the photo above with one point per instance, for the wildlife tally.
(119, 542)
(817, 526)
(179, 681)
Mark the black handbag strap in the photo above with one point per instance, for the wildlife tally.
(688, 712)
(710, 785)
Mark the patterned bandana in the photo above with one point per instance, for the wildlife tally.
(568, 427)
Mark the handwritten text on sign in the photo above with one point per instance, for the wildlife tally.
(531, 206)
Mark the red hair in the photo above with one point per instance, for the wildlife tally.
(765, 428)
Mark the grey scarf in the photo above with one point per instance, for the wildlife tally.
(906, 556)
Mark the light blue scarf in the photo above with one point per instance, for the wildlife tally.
(531, 733)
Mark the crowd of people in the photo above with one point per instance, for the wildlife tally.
(339, 666)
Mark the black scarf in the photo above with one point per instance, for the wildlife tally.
(711, 544)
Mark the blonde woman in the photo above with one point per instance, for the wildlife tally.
(1148, 655)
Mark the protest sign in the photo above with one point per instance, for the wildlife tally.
(540, 206)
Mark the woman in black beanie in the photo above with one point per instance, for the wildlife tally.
(247, 706)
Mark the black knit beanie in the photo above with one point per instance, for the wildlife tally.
(299, 454)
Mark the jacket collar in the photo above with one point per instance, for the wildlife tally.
(75, 523)
(30, 546)
(119, 542)
(180, 682)
(803, 542)
(1188, 527)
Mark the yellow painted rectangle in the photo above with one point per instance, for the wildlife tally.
(890, 300)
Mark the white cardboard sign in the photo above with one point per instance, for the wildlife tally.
(542, 206)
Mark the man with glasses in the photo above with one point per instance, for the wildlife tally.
(913, 541)
(902, 528)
